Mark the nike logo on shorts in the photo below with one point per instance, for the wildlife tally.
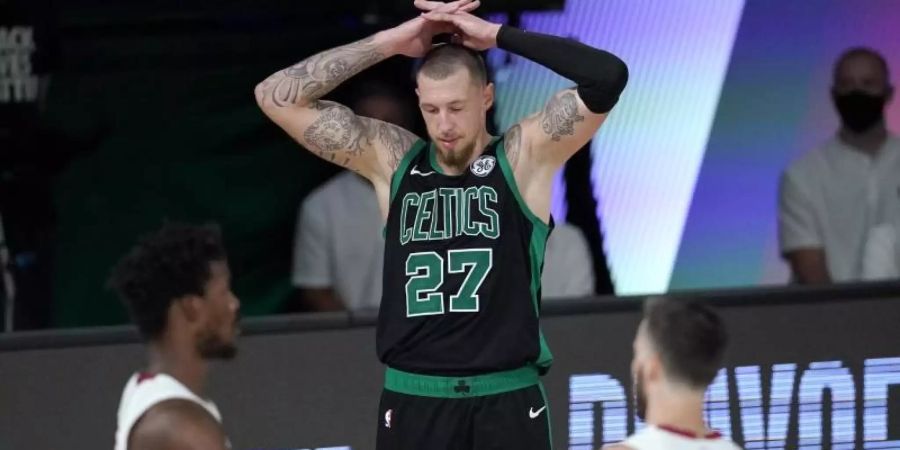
(533, 414)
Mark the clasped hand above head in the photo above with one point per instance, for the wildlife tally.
(467, 29)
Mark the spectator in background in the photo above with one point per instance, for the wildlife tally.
(339, 247)
(845, 196)
(568, 267)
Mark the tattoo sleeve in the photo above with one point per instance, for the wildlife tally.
(333, 131)
(338, 135)
(317, 75)
(560, 115)
(338, 128)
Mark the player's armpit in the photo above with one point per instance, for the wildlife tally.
(392, 144)
(513, 144)
(177, 425)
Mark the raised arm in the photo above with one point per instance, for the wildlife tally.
(539, 145)
(292, 99)
(572, 116)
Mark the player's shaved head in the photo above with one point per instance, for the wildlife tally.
(445, 59)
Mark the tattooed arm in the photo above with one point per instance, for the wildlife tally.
(550, 137)
(292, 99)
(572, 116)
(540, 144)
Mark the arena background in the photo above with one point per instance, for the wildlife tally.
(152, 117)
(152, 107)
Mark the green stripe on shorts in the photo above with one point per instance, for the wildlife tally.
(460, 387)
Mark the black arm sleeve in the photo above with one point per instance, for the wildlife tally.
(600, 75)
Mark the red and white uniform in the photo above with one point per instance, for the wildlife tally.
(142, 392)
(654, 437)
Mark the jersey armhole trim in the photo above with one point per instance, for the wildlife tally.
(536, 248)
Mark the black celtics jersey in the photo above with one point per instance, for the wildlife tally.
(462, 269)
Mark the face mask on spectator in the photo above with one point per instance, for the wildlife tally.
(859, 110)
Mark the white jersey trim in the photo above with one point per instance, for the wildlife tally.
(144, 391)
(655, 438)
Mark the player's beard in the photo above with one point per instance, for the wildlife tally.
(640, 397)
(458, 157)
(213, 346)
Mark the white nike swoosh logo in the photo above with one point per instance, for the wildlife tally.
(533, 414)
(415, 171)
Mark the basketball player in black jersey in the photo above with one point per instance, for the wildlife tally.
(467, 214)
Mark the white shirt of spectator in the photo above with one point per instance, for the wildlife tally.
(144, 391)
(568, 267)
(881, 257)
(339, 245)
(835, 198)
(656, 438)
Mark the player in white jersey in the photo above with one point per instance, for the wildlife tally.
(678, 350)
(176, 286)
